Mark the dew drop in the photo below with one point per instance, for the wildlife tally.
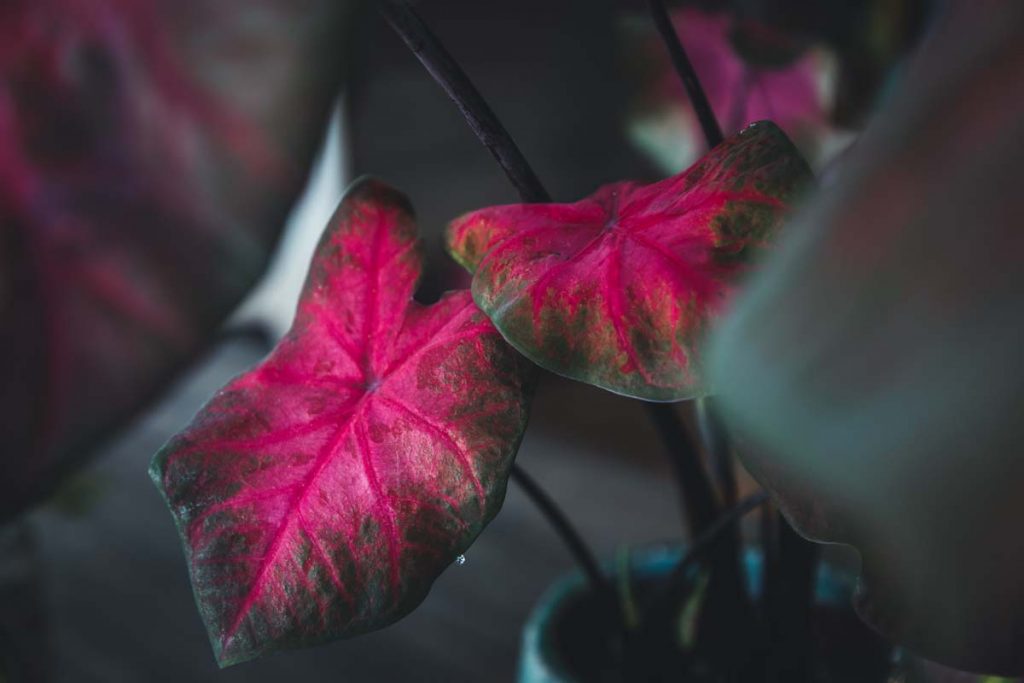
(460, 560)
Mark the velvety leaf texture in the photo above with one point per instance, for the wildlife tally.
(149, 152)
(320, 494)
(618, 290)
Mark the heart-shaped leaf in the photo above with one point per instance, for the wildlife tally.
(320, 494)
(149, 151)
(618, 290)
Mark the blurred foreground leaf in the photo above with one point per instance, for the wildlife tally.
(876, 362)
(149, 151)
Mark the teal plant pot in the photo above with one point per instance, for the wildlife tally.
(553, 647)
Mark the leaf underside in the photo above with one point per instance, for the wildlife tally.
(321, 493)
(618, 290)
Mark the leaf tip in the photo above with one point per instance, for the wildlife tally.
(227, 656)
(372, 190)
(157, 466)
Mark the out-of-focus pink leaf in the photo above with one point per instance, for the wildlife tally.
(320, 494)
(877, 360)
(149, 150)
(619, 289)
(795, 95)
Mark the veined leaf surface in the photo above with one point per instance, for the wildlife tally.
(320, 494)
(619, 289)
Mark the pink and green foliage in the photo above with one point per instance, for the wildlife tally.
(320, 494)
(146, 164)
(619, 289)
(795, 95)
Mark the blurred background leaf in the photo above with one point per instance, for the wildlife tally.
(815, 69)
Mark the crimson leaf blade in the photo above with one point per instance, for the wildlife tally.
(320, 494)
(619, 289)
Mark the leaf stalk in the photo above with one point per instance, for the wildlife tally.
(478, 114)
(687, 74)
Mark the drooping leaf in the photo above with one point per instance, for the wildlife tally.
(875, 362)
(320, 494)
(149, 151)
(619, 289)
(795, 95)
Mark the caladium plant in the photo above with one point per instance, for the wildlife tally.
(149, 150)
(620, 289)
(321, 493)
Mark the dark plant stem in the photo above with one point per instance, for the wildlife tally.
(789, 616)
(600, 585)
(706, 542)
(730, 611)
(565, 530)
(698, 495)
(770, 552)
(716, 442)
(478, 114)
(719, 450)
(658, 612)
(681, 62)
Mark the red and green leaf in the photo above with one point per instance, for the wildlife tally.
(149, 151)
(320, 494)
(619, 289)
